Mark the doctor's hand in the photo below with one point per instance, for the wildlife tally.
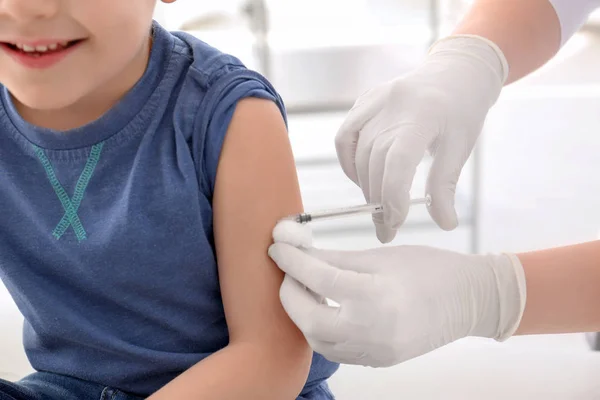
(438, 108)
(395, 303)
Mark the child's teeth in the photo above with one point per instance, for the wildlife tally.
(40, 48)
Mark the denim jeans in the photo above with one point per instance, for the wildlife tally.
(47, 386)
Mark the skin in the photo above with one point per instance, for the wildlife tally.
(527, 32)
(562, 290)
(562, 283)
(267, 357)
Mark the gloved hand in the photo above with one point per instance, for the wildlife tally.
(440, 107)
(396, 303)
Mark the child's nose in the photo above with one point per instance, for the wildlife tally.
(29, 10)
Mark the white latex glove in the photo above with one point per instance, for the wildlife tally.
(440, 107)
(396, 303)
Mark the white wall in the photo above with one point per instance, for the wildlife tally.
(541, 155)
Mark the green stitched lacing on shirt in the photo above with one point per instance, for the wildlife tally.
(70, 218)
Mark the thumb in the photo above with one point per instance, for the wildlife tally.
(448, 162)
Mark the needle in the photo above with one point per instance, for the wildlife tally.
(304, 218)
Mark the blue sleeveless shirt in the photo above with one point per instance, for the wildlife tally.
(106, 241)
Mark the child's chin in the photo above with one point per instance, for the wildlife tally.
(45, 100)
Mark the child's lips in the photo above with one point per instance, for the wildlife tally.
(40, 56)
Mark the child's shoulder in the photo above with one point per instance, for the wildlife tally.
(208, 64)
(204, 93)
(208, 78)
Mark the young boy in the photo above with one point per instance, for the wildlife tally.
(132, 161)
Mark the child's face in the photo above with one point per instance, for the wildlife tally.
(107, 43)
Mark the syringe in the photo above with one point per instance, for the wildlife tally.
(304, 218)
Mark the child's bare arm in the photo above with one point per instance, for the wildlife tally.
(267, 357)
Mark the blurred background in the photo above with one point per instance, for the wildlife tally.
(531, 183)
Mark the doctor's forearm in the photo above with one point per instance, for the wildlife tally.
(563, 290)
(528, 32)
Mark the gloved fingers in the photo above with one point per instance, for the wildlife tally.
(401, 162)
(312, 316)
(346, 140)
(346, 260)
(320, 277)
(448, 162)
(335, 353)
(293, 233)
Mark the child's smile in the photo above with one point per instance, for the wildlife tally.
(40, 54)
(66, 62)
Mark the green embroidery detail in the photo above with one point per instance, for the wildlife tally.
(70, 218)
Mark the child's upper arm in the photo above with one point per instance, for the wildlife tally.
(256, 185)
